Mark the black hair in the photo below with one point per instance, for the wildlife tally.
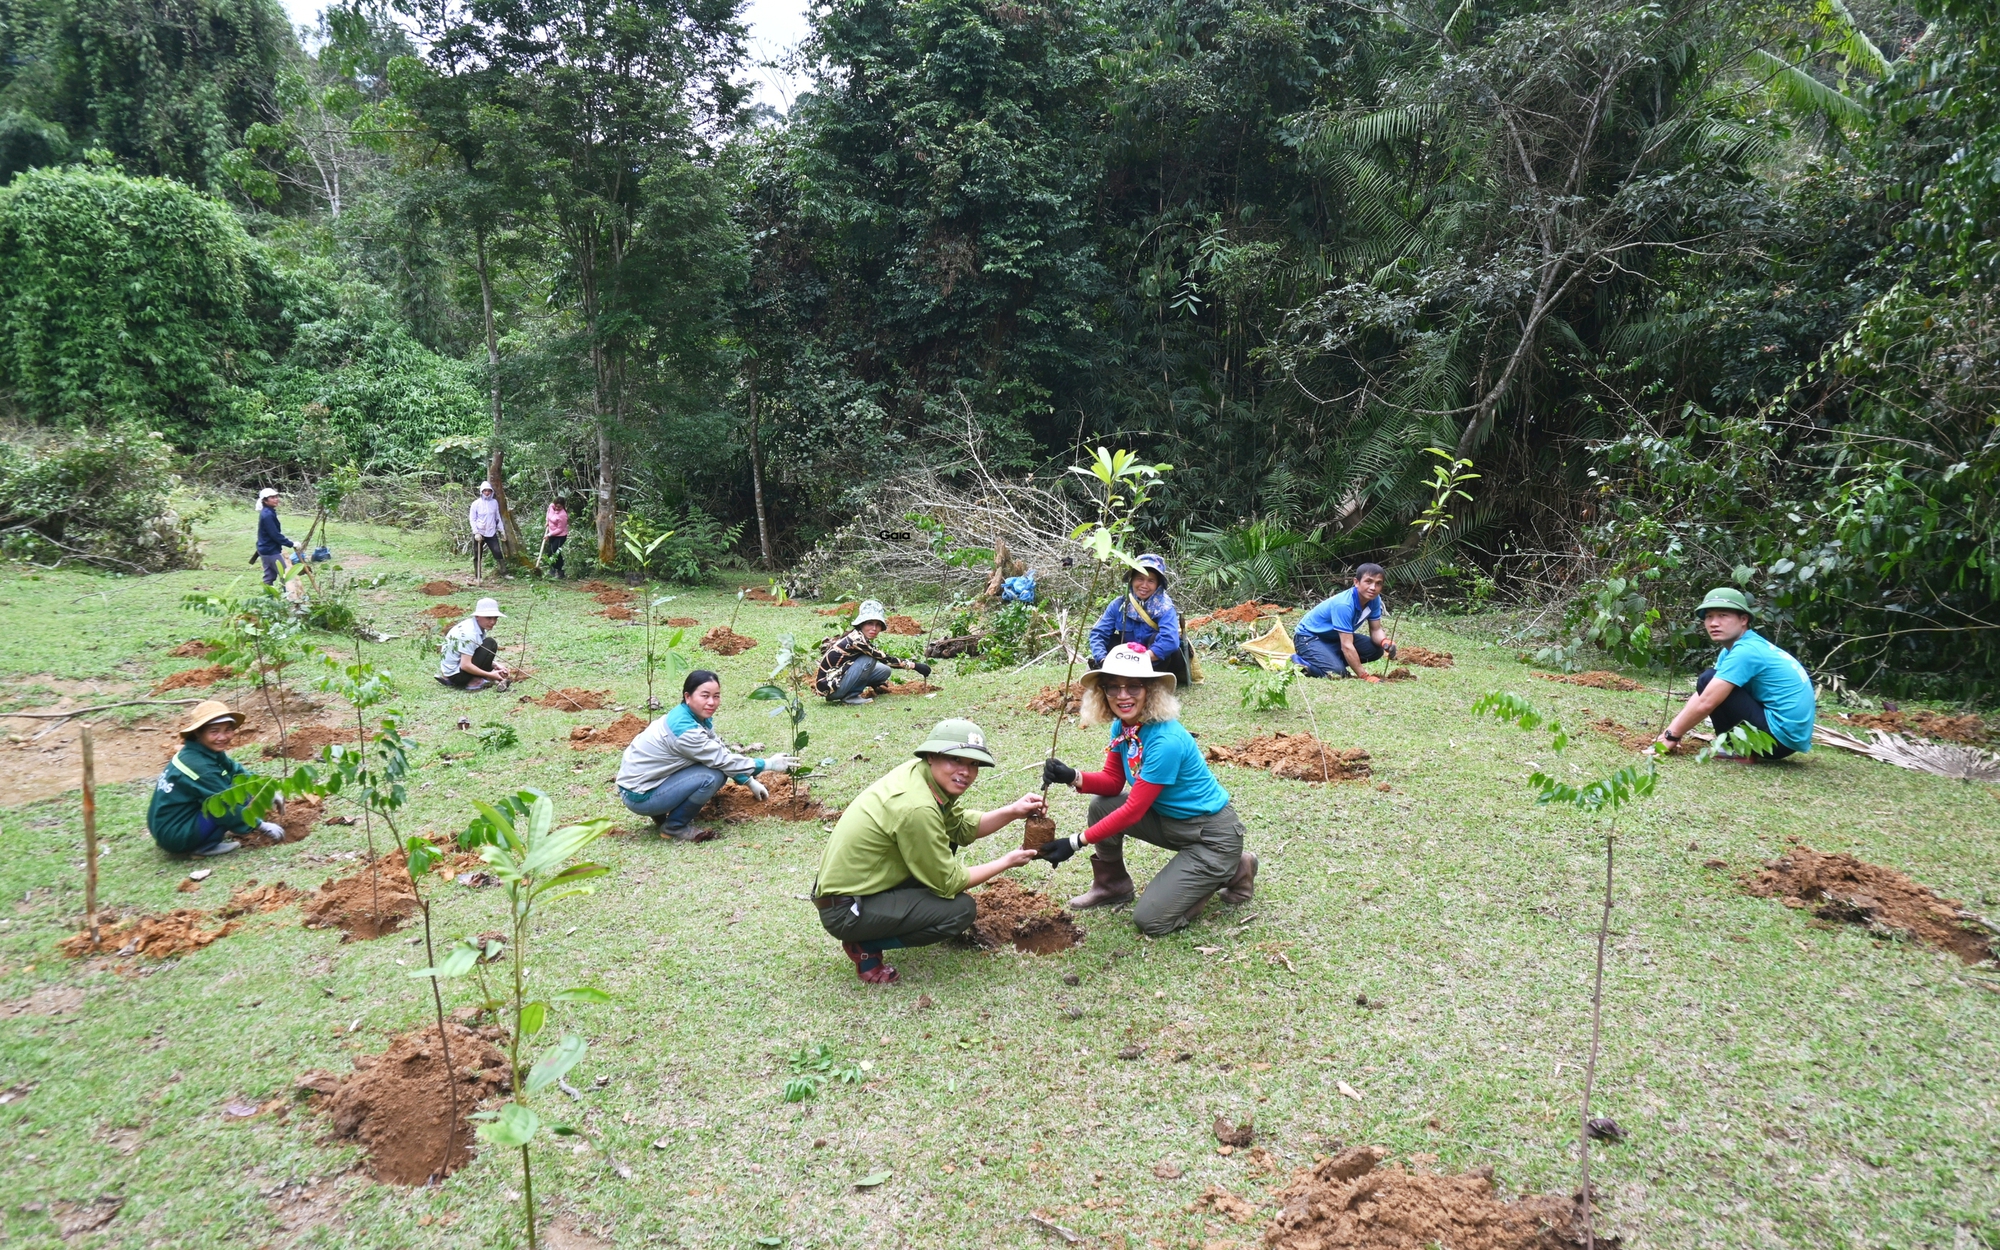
(696, 680)
(1363, 570)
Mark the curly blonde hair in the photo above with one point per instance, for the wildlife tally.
(1161, 704)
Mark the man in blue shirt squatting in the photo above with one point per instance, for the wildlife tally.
(1345, 632)
(1146, 616)
(1751, 682)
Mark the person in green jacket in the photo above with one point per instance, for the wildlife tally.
(198, 771)
(890, 875)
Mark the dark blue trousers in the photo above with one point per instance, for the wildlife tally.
(1322, 657)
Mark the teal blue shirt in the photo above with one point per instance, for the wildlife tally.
(1776, 680)
(1167, 756)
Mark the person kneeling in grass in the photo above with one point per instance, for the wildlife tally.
(1174, 801)
(199, 771)
(890, 875)
(1343, 633)
(676, 764)
(1751, 683)
(470, 655)
(851, 665)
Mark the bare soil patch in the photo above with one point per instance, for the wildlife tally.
(192, 649)
(913, 687)
(574, 699)
(1846, 890)
(905, 625)
(790, 800)
(302, 742)
(725, 641)
(1051, 700)
(1295, 757)
(1423, 657)
(50, 1000)
(757, 594)
(396, 1107)
(442, 612)
(1967, 729)
(150, 937)
(297, 820)
(683, 622)
(1249, 612)
(840, 609)
(439, 587)
(1596, 679)
(618, 612)
(369, 904)
(613, 737)
(48, 759)
(190, 678)
(252, 899)
(1629, 738)
(614, 595)
(1013, 915)
(1399, 673)
(1350, 1202)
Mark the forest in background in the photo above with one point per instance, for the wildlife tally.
(1703, 292)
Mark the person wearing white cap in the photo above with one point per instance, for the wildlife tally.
(271, 540)
(851, 664)
(469, 660)
(485, 519)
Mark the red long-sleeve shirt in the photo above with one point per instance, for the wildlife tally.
(1109, 782)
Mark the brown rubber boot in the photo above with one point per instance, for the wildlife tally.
(1109, 882)
(1240, 890)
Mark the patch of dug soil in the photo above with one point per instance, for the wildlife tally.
(1842, 888)
(613, 737)
(1399, 673)
(1423, 657)
(439, 587)
(303, 742)
(574, 699)
(206, 675)
(369, 904)
(757, 594)
(251, 898)
(1245, 613)
(1295, 757)
(913, 687)
(725, 641)
(1629, 738)
(596, 586)
(840, 609)
(297, 820)
(1596, 679)
(442, 612)
(1034, 924)
(193, 649)
(150, 937)
(905, 625)
(41, 767)
(790, 800)
(1049, 700)
(396, 1107)
(1037, 832)
(613, 596)
(618, 612)
(1350, 1202)
(1968, 729)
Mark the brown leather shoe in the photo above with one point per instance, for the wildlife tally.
(1109, 882)
(1240, 890)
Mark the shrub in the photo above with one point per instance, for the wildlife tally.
(100, 499)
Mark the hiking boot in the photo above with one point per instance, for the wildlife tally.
(856, 700)
(1239, 890)
(869, 968)
(220, 848)
(1109, 882)
(686, 833)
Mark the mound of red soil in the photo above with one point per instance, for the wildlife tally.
(913, 687)
(1399, 673)
(574, 699)
(207, 675)
(1050, 700)
(442, 612)
(613, 595)
(1037, 832)
(1968, 729)
(1349, 1202)
(757, 594)
(1844, 889)
(683, 622)
(840, 609)
(616, 736)
(1423, 657)
(596, 586)
(297, 820)
(619, 612)
(192, 649)
(1596, 679)
(1245, 613)
(905, 625)
(439, 587)
(1629, 738)
(725, 641)
(790, 800)
(369, 904)
(251, 898)
(1295, 757)
(302, 742)
(150, 937)
(1034, 924)
(396, 1107)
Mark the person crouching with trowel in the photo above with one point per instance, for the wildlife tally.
(199, 771)
(890, 875)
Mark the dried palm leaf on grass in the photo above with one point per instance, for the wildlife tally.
(1943, 759)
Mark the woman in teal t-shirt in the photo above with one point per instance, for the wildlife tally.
(1173, 801)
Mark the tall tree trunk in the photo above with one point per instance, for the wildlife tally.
(607, 465)
(510, 533)
(757, 479)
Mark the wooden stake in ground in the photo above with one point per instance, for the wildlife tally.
(90, 834)
(1596, 1033)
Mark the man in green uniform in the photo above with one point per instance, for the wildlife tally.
(890, 875)
(198, 771)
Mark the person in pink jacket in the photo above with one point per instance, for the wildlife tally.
(555, 535)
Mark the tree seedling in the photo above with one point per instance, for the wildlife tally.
(1270, 691)
(786, 686)
(814, 1066)
(260, 635)
(419, 857)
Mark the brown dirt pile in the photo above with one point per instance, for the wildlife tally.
(1349, 1202)
(302, 742)
(1050, 700)
(1423, 657)
(789, 800)
(1629, 738)
(206, 675)
(913, 687)
(840, 609)
(192, 649)
(905, 625)
(442, 612)
(1037, 832)
(574, 699)
(396, 1107)
(683, 622)
(619, 612)
(757, 594)
(251, 899)
(596, 586)
(725, 641)
(613, 737)
(369, 904)
(613, 596)
(1841, 888)
(150, 937)
(1245, 613)
(1399, 673)
(297, 820)
(1596, 679)
(439, 587)
(1295, 757)
(1034, 924)
(1968, 729)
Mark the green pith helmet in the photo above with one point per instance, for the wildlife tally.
(960, 739)
(1725, 598)
(869, 610)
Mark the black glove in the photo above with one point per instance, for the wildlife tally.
(1056, 772)
(923, 669)
(1392, 650)
(1060, 849)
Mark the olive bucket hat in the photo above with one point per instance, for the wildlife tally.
(960, 739)
(1727, 599)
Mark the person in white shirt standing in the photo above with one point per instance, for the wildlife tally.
(470, 660)
(485, 519)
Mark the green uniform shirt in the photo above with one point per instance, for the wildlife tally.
(190, 778)
(900, 827)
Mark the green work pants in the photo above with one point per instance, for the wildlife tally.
(909, 912)
(1208, 850)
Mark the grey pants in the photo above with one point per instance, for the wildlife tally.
(1208, 851)
(908, 913)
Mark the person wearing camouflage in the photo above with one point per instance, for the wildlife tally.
(851, 665)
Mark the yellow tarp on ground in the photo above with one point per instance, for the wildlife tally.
(1274, 649)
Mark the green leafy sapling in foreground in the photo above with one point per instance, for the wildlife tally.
(815, 1065)
(419, 857)
(1269, 691)
(790, 675)
(260, 635)
(1741, 742)
(640, 553)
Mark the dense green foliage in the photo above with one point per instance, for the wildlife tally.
(102, 499)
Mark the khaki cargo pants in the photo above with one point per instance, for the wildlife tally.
(1208, 851)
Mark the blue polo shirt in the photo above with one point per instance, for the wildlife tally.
(1167, 756)
(1341, 614)
(1776, 680)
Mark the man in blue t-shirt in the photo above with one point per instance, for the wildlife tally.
(1751, 683)
(1345, 632)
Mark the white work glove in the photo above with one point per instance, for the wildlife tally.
(781, 763)
(757, 788)
(271, 829)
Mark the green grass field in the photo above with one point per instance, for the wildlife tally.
(1782, 1084)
